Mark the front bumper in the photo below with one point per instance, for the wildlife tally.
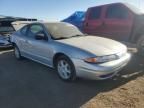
(100, 71)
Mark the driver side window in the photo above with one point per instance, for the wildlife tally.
(35, 29)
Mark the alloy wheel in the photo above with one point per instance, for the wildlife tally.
(64, 69)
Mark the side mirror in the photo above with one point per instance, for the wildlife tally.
(40, 36)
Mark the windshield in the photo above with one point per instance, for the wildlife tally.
(63, 30)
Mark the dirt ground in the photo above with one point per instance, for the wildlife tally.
(27, 84)
(130, 95)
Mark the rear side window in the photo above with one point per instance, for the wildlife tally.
(116, 12)
(95, 13)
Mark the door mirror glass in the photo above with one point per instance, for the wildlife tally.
(40, 36)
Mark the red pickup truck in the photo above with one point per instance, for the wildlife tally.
(119, 21)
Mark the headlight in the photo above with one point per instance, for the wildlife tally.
(101, 59)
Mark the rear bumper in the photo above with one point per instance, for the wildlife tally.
(100, 71)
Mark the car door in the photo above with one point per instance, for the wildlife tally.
(39, 49)
(118, 22)
(93, 23)
(22, 40)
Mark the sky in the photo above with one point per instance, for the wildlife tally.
(53, 10)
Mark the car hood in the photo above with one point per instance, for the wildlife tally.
(96, 45)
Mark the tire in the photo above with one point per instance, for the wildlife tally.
(17, 53)
(140, 46)
(65, 69)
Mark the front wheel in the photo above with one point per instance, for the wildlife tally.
(140, 45)
(65, 69)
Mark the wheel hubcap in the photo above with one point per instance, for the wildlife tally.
(64, 69)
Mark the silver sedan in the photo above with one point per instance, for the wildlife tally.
(73, 54)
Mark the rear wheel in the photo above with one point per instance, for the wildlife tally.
(65, 69)
(140, 45)
(17, 53)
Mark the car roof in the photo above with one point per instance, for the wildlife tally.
(19, 24)
(52, 23)
(119, 3)
(128, 5)
(55, 23)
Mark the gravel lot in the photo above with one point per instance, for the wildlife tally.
(26, 84)
(130, 95)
